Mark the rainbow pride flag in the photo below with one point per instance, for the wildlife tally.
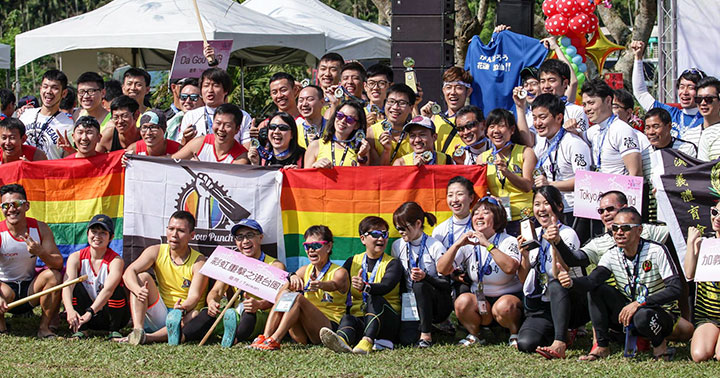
(341, 197)
(67, 193)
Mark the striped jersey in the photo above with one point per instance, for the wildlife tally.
(709, 145)
(596, 247)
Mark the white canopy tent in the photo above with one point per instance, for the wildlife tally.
(146, 33)
(352, 38)
(4, 56)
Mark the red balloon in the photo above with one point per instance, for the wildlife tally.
(568, 8)
(593, 23)
(579, 23)
(557, 25)
(586, 6)
(549, 8)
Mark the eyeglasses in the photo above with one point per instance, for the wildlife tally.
(400, 103)
(314, 245)
(248, 236)
(714, 212)
(192, 97)
(708, 99)
(609, 209)
(124, 117)
(467, 126)
(623, 227)
(490, 199)
(279, 126)
(380, 83)
(618, 106)
(377, 234)
(150, 128)
(350, 120)
(91, 92)
(16, 204)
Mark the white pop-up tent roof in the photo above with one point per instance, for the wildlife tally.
(4, 56)
(352, 38)
(146, 32)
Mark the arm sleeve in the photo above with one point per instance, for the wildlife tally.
(393, 275)
(572, 257)
(671, 292)
(595, 279)
(645, 99)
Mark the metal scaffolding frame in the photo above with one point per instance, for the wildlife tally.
(666, 72)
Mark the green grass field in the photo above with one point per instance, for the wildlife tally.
(24, 355)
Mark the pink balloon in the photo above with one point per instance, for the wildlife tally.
(586, 6)
(557, 25)
(568, 8)
(549, 8)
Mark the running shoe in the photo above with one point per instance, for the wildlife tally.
(269, 344)
(230, 323)
(471, 340)
(333, 341)
(173, 321)
(363, 347)
(258, 340)
(136, 337)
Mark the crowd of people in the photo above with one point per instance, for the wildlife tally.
(539, 291)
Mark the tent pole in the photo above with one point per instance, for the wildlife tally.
(242, 83)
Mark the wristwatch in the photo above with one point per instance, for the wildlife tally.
(641, 300)
(366, 289)
(490, 246)
(91, 311)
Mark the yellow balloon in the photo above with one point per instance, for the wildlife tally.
(600, 48)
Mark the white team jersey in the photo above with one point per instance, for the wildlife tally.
(570, 238)
(599, 245)
(431, 253)
(495, 282)
(95, 280)
(709, 147)
(43, 131)
(16, 263)
(571, 155)
(199, 118)
(611, 143)
(576, 112)
(442, 233)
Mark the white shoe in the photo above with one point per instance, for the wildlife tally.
(333, 341)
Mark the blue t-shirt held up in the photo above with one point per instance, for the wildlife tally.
(496, 67)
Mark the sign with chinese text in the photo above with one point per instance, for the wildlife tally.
(708, 263)
(245, 273)
(190, 61)
(589, 186)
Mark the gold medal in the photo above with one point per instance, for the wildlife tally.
(305, 82)
(435, 109)
(339, 92)
(427, 156)
(491, 159)
(255, 143)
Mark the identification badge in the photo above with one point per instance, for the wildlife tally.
(409, 308)
(630, 342)
(482, 304)
(286, 301)
(506, 204)
(543, 281)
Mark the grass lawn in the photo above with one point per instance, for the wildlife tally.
(24, 355)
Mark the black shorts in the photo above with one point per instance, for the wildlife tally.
(517, 294)
(21, 291)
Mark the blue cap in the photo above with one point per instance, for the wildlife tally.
(251, 223)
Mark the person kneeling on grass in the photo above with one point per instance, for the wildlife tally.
(422, 135)
(179, 284)
(490, 259)
(101, 297)
(314, 298)
(375, 279)
(247, 318)
(646, 292)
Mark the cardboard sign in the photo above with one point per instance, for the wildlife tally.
(245, 273)
(189, 60)
(708, 263)
(589, 186)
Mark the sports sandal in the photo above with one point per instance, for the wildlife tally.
(471, 340)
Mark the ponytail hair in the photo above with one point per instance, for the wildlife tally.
(411, 212)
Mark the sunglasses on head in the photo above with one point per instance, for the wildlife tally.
(350, 120)
(708, 99)
(490, 199)
(377, 234)
(16, 204)
(714, 212)
(694, 71)
(280, 126)
(192, 97)
(314, 245)
(609, 209)
(623, 227)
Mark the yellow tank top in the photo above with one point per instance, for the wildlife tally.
(442, 159)
(325, 151)
(393, 297)
(331, 304)
(174, 280)
(444, 130)
(301, 132)
(402, 150)
(519, 200)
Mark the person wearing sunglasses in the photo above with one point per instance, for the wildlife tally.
(247, 318)
(190, 98)
(422, 136)
(470, 125)
(220, 146)
(322, 287)
(489, 258)
(86, 135)
(550, 309)
(686, 120)
(423, 284)
(375, 295)
(510, 166)
(645, 295)
(706, 315)
(23, 241)
(387, 137)
(283, 140)
(343, 145)
(12, 143)
(152, 131)
(708, 101)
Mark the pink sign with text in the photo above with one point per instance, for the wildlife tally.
(589, 186)
(190, 61)
(245, 273)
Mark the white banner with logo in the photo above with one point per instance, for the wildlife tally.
(697, 28)
(218, 195)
